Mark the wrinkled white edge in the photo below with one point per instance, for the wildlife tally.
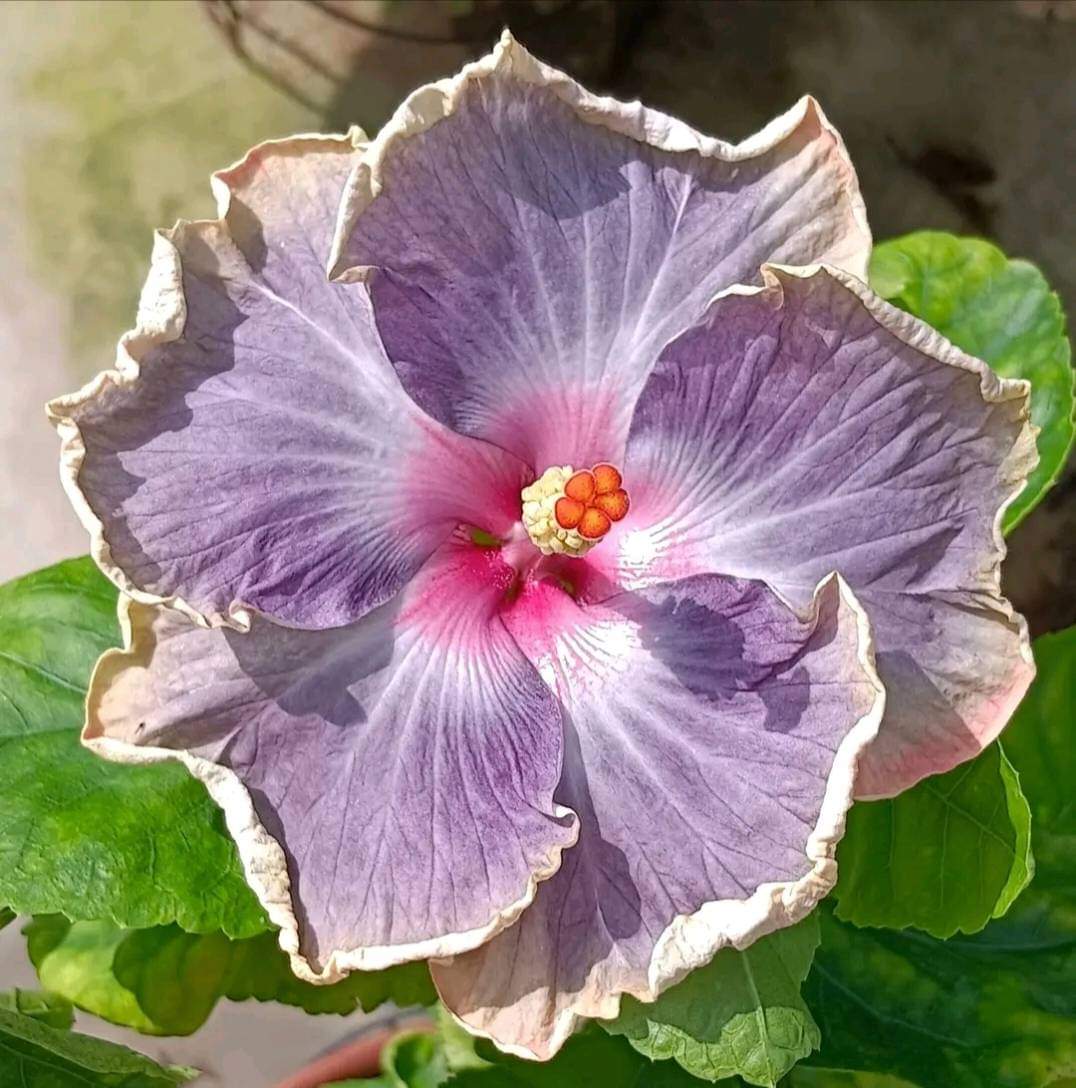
(1015, 468)
(423, 108)
(264, 863)
(162, 315)
(692, 940)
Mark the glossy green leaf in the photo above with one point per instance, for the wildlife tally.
(945, 856)
(997, 1008)
(139, 846)
(6, 917)
(75, 961)
(163, 981)
(34, 1055)
(999, 310)
(742, 1014)
(48, 1008)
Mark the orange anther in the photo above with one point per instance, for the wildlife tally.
(594, 524)
(614, 504)
(569, 512)
(566, 512)
(580, 487)
(606, 479)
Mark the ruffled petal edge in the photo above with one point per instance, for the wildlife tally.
(423, 108)
(1014, 470)
(262, 857)
(161, 318)
(691, 940)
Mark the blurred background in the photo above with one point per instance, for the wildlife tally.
(959, 116)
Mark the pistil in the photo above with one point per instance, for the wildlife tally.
(568, 512)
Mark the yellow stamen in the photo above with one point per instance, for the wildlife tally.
(566, 512)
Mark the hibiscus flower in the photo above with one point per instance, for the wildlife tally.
(529, 590)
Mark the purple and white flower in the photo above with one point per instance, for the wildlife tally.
(529, 592)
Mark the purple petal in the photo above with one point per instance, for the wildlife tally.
(536, 246)
(254, 448)
(810, 427)
(389, 784)
(711, 742)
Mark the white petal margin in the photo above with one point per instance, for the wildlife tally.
(1014, 472)
(527, 1030)
(161, 318)
(435, 101)
(694, 518)
(264, 863)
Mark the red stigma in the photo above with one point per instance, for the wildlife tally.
(593, 500)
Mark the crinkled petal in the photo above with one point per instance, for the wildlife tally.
(809, 427)
(254, 448)
(536, 246)
(711, 743)
(389, 784)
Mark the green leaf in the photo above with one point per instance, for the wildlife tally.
(804, 1077)
(415, 1060)
(996, 1008)
(75, 961)
(460, 1046)
(591, 1057)
(945, 856)
(260, 971)
(163, 981)
(6, 917)
(34, 1055)
(424, 1059)
(742, 1014)
(999, 310)
(48, 1008)
(138, 846)
(1041, 741)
